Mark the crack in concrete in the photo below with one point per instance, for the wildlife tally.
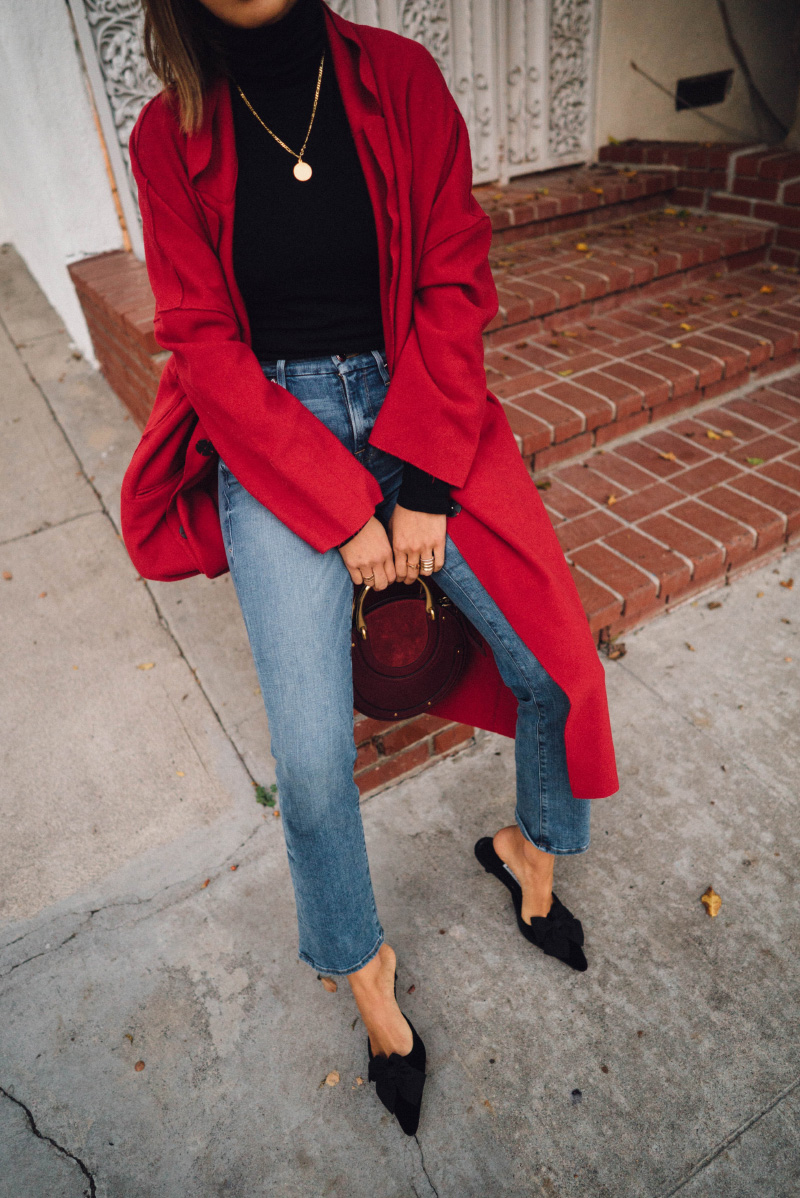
(186, 888)
(92, 1191)
(45, 952)
(48, 526)
(735, 1135)
(424, 1170)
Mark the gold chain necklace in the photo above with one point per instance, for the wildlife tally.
(301, 170)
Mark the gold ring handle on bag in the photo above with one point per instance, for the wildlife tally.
(367, 586)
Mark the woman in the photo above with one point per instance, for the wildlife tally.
(324, 421)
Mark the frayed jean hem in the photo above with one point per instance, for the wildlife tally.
(544, 846)
(327, 971)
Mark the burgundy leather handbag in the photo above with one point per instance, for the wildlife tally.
(409, 648)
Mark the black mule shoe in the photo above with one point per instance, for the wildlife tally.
(399, 1080)
(559, 933)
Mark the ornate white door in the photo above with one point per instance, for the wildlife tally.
(520, 70)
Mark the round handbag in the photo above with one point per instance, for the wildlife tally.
(409, 647)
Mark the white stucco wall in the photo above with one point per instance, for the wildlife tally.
(55, 200)
(671, 39)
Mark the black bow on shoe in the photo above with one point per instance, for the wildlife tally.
(559, 934)
(393, 1076)
(399, 1081)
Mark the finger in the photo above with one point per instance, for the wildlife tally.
(381, 581)
(427, 562)
(401, 565)
(389, 567)
(438, 557)
(413, 570)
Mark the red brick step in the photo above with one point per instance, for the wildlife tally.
(674, 511)
(589, 382)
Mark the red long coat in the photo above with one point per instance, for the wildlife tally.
(437, 296)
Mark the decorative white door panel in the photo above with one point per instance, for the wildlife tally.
(520, 70)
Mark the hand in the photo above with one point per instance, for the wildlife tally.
(416, 535)
(368, 556)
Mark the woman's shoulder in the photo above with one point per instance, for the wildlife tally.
(158, 119)
(398, 57)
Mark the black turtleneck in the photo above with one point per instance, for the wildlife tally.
(305, 254)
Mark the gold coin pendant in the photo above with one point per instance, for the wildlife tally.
(302, 171)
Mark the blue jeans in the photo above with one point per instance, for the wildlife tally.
(297, 606)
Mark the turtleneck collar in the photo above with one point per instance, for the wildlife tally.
(275, 55)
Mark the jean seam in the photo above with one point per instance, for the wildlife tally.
(227, 511)
(543, 839)
(541, 755)
(384, 373)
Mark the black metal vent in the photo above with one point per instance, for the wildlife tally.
(700, 91)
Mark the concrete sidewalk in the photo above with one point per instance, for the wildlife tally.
(671, 1066)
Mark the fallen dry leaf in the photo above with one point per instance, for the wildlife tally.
(234, 868)
(7, 575)
(759, 594)
(734, 311)
(676, 345)
(668, 457)
(359, 1081)
(713, 605)
(582, 246)
(180, 773)
(691, 647)
(787, 582)
(711, 901)
(726, 432)
(128, 1036)
(411, 989)
(332, 1079)
(688, 327)
(766, 289)
(787, 659)
(203, 886)
(146, 665)
(712, 436)
(276, 815)
(139, 1066)
(563, 372)
(612, 499)
(329, 985)
(754, 461)
(43, 594)
(670, 211)
(567, 333)
(617, 651)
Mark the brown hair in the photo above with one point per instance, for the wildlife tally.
(182, 52)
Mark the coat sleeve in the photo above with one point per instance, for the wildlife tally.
(281, 453)
(434, 409)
